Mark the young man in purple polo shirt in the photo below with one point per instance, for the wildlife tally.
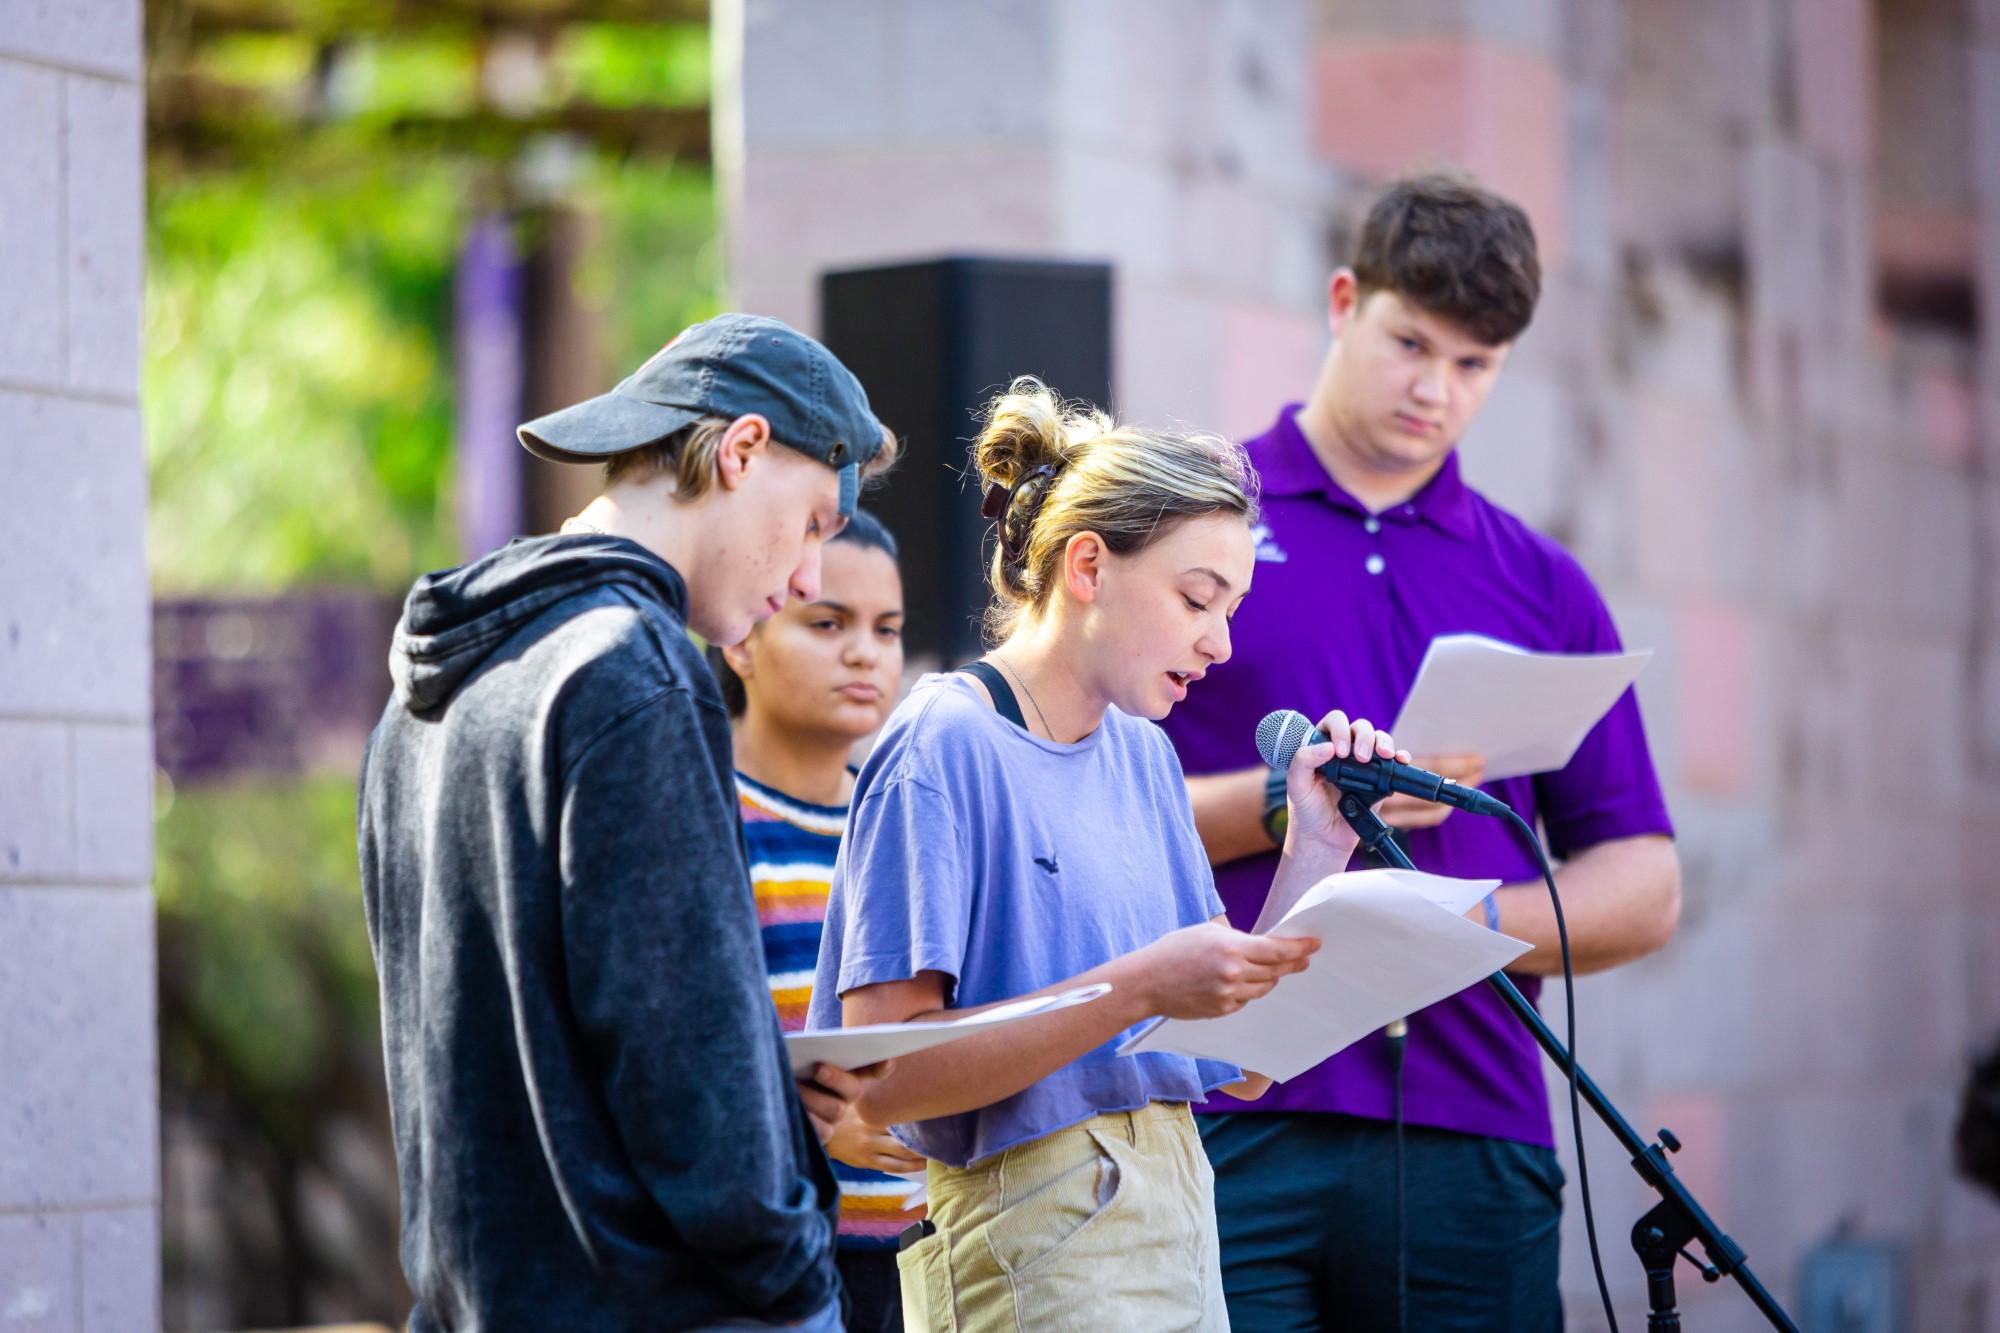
(1367, 522)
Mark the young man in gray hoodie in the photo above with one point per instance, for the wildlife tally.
(596, 1125)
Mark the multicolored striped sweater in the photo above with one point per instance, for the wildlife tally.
(792, 846)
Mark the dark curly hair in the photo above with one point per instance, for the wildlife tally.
(1455, 250)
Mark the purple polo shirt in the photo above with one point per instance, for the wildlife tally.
(1344, 606)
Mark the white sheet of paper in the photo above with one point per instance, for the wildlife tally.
(1526, 712)
(1391, 943)
(851, 1048)
(920, 1191)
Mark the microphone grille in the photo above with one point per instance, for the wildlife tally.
(1280, 735)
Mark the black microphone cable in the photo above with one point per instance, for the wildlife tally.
(1534, 842)
(1396, 1037)
(1279, 736)
(1399, 1039)
(1396, 1053)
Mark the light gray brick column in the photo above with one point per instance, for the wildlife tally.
(79, 1121)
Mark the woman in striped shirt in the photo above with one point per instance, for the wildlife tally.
(804, 687)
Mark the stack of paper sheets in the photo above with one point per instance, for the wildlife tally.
(1391, 942)
(851, 1048)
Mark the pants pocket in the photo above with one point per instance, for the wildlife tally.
(1061, 1210)
(924, 1273)
(1132, 1264)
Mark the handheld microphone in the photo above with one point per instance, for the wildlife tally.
(1282, 733)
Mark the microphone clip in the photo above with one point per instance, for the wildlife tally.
(1377, 838)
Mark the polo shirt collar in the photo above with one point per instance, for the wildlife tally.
(1291, 467)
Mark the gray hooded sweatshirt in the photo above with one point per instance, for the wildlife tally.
(595, 1123)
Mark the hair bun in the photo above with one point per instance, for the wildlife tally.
(1028, 437)
(1024, 429)
(1052, 470)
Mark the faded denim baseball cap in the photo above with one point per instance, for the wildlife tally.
(728, 367)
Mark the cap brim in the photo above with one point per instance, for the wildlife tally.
(595, 429)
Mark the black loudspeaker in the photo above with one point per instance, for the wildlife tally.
(932, 343)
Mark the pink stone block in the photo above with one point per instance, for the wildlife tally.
(1519, 449)
(824, 75)
(1980, 932)
(1269, 358)
(1391, 105)
(1715, 699)
(1782, 203)
(1945, 409)
(1913, 242)
(1652, 207)
(1677, 531)
(1835, 60)
(1700, 1120)
(1118, 206)
(1707, 59)
(1167, 345)
(893, 205)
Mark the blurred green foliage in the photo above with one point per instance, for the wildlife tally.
(657, 265)
(268, 989)
(298, 325)
(626, 65)
(298, 396)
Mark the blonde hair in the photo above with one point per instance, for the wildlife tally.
(1069, 468)
(689, 454)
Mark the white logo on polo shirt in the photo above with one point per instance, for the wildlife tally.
(1267, 545)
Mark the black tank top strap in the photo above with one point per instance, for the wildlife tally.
(996, 685)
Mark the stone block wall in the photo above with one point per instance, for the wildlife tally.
(1755, 402)
(79, 1154)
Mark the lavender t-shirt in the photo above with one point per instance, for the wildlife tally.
(1344, 605)
(1009, 863)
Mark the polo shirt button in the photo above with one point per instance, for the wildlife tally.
(1374, 564)
(1372, 524)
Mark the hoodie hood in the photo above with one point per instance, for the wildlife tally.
(454, 619)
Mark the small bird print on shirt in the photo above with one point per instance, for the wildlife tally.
(1047, 863)
(1268, 549)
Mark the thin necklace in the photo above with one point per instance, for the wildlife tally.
(1030, 693)
(570, 525)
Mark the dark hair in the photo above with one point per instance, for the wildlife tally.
(1457, 251)
(863, 529)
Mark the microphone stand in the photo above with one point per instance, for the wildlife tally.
(1662, 1236)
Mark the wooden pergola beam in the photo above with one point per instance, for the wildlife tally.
(219, 127)
(196, 121)
(321, 21)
